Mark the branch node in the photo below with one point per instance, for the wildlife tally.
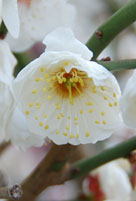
(15, 192)
(99, 34)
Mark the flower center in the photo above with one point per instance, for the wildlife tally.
(70, 84)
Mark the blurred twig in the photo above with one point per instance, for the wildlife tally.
(119, 151)
(4, 146)
(111, 28)
(119, 65)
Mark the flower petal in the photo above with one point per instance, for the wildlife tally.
(63, 39)
(10, 16)
(128, 102)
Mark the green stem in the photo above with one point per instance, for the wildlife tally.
(118, 151)
(111, 28)
(119, 65)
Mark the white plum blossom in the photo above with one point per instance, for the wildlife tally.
(7, 63)
(117, 184)
(65, 96)
(9, 14)
(38, 18)
(110, 181)
(128, 102)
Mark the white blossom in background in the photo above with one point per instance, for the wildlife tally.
(110, 181)
(128, 102)
(9, 14)
(7, 64)
(117, 185)
(65, 96)
(37, 18)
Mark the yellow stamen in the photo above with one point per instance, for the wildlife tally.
(97, 122)
(71, 136)
(31, 104)
(46, 127)
(65, 134)
(104, 122)
(57, 132)
(90, 110)
(41, 124)
(110, 104)
(87, 134)
(34, 91)
(67, 127)
(115, 103)
(77, 135)
(105, 98)
(45, 116)
(36, 117)
(81, 111)
(27, 112)
(37, 79)
(42, 70)
(102, 113)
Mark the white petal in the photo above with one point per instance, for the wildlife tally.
(10, 16)
(39, 18)
(18, 133)
(128, 102)
(116, 185)
(6, 107)
(63, 39)
(7, 62)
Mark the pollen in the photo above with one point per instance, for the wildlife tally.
(104, 122)
(102, 113)
(45, 116)
(69, 117)
(71, 136)
(57, 132)
(115, 103)
(110, 104)
(46, 127)
(49, 97)
(41, 124)
(89, 103)
(36, 117)
(81, 111)
(66, 63)
(57, 106)
(44, 89)
(91, 111)
(97, 122)
(76, 118)
(76, 123)
(61, 114)
(31, 104)
(27, 112)
(58, 116)
(34, 91)
(102, 88)
(37, 79)
(37, 105)
(65, 134)
(42, 70)
(46, 75)
(77, 135)
(105, 98)
(41, 79)
(67, 127)
(87, 134)
(114, 95)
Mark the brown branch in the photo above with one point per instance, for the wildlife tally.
(51, 170)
